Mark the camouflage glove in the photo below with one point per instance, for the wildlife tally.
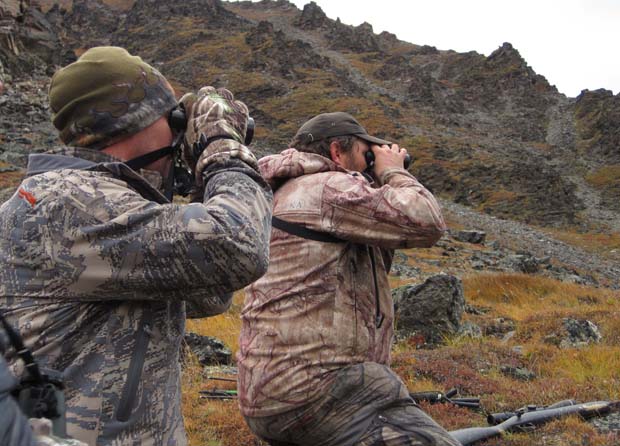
(216, 127)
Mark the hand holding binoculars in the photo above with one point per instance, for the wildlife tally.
(370, 160)
(178, 121)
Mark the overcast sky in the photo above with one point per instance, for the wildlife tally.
(573, 43)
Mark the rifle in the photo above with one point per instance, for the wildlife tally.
(525, 419)
(435, 397)
(432, 396)
(218, 394)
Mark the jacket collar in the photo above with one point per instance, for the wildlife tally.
(66, 158)
(291, 163)
(147, 182)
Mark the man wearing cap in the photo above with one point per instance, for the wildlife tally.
(317, 328)
(96, 263)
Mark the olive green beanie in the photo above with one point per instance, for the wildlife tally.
(106, 96)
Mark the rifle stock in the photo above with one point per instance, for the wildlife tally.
(528, 420)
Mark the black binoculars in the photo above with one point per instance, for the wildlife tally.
(370, 160)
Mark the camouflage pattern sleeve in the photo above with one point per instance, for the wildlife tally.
(401, 213)
(208, 306)
(86, 235)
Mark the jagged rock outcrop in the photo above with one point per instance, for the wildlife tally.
(149, 11)
(80, 34)
(598, 114)
(312, 17)
(274, 53)
(360, 39)
(27, 40)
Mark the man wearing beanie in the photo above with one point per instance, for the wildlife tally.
(97, 263)
(317, 329)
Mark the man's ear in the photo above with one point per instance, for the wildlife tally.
(335, 152)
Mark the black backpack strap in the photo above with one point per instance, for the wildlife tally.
(303, 232)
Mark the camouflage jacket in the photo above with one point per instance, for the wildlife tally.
(320, 307)
(95, 266)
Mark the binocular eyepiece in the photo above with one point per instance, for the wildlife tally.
(177, 120)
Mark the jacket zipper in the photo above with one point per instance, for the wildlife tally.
(379, 317)
(134, 371)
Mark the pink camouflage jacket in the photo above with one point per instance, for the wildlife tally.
(320, 307)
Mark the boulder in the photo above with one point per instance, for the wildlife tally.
(208, 350)
(469, 236)
(431, 310)
(579, 333)
(523, 263)
(576, 333)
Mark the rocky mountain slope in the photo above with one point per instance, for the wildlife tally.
(488, 134)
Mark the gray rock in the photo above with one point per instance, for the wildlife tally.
(209, 350)
(469, 236)
(520, 373)
(580, 333)
(523, 263)
(402, 270)
(432, 309)
(470, 330)
(607, 424)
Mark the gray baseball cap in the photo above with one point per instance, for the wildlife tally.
(327, 125)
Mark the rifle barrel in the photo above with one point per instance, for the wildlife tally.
(497, 418)
(526, 420)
